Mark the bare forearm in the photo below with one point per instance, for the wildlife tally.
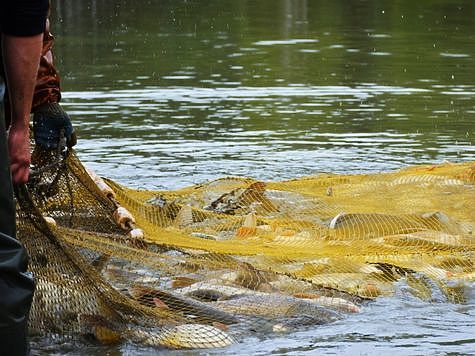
(21, 56)
(21, 59)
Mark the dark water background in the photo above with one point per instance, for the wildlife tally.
(169, 93)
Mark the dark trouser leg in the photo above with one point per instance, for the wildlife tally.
(7, 207)
(16, 293)
(16, 286)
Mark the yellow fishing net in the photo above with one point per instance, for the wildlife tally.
(209, 264)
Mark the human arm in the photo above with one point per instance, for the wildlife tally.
(21, 58)
(22, 25)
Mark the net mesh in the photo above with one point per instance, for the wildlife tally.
(209, 264)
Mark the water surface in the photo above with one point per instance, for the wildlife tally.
(169, 93)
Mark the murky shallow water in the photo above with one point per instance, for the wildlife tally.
(188, 135)
(165, 94)
(401, 325)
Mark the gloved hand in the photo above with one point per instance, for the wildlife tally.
(49, 121)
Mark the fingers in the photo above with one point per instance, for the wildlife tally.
(20, 157)
(20, 172)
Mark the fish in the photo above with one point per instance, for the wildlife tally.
(64, 301)
(288, 325)
(331, 302)
(243, 200)
(363, 285)
(193, 336)
(426, 179)
(202, 312)
(207, 295)
(278, 309)
(182, 336)
(250, 277)
(224, 291)
(210, 291)
(184, 217)
(99, 328)
(359, 225)
(182, 281)
(66, 308)
(428, 241)
(273, 306)
(93, 320)
(163, 211)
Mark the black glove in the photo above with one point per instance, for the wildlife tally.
(50, 124)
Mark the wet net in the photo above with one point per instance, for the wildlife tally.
(210, 264)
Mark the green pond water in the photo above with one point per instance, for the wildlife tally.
(164, 94)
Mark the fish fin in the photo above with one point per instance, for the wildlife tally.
(159, 303)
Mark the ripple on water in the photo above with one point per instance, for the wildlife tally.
(454, 55)
(253, 131)
(285, 42)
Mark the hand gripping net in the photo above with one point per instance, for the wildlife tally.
(207, 265)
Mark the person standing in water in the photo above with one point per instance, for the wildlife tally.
(22, 24)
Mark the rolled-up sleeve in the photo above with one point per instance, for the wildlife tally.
(23, 17)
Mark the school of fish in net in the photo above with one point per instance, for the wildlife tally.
(208, 265)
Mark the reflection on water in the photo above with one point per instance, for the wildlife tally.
(191, 134)
(169, 93)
